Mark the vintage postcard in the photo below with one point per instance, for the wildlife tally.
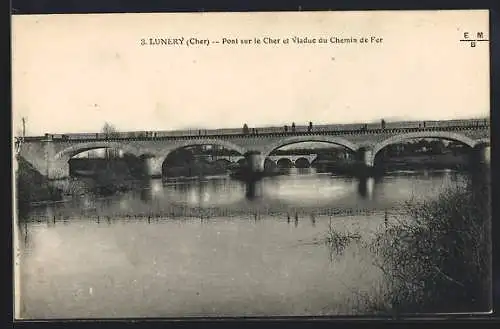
(251, 164)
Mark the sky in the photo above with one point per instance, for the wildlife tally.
(72, 73)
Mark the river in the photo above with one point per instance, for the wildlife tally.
(212, 247)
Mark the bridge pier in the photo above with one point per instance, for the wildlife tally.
(366, 187)
(55, 168)
(153, 166)
(480, 155)
(255, 161)
(366, 158)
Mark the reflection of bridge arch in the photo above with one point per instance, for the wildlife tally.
(71, 151)
(421, 134)
(320, 139)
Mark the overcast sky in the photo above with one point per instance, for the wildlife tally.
(71, 73)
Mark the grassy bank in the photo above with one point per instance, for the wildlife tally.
(439, 258)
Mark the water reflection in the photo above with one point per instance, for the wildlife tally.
(308, 189)
(212, 246)
(196, 193)
(366, 187)
(253, 190)
(325, 193)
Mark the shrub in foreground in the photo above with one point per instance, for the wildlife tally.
(438, 259)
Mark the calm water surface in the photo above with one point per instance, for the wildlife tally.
(212, 247)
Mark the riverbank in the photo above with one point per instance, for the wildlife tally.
(32, 186)
(409, 162)
(196, 169)
(432, 161)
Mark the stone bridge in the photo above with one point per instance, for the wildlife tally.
(292, 159)
(50, 154)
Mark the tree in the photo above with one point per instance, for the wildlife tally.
(245, 129)
(180, 157)
(109, 130)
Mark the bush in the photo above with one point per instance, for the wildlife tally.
(338, 241)
(439, 258)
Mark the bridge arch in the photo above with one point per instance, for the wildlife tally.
(71, 151)
(483, 142)
(208, 141)
(302, 162)
(164, 158)
(300, 139)
(284, 163)
(421, 134)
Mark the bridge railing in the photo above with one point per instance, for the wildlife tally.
(302, 129)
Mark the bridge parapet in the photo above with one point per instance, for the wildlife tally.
(336, 130)
(300, 129)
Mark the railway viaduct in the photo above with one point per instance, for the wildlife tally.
(50, 155)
